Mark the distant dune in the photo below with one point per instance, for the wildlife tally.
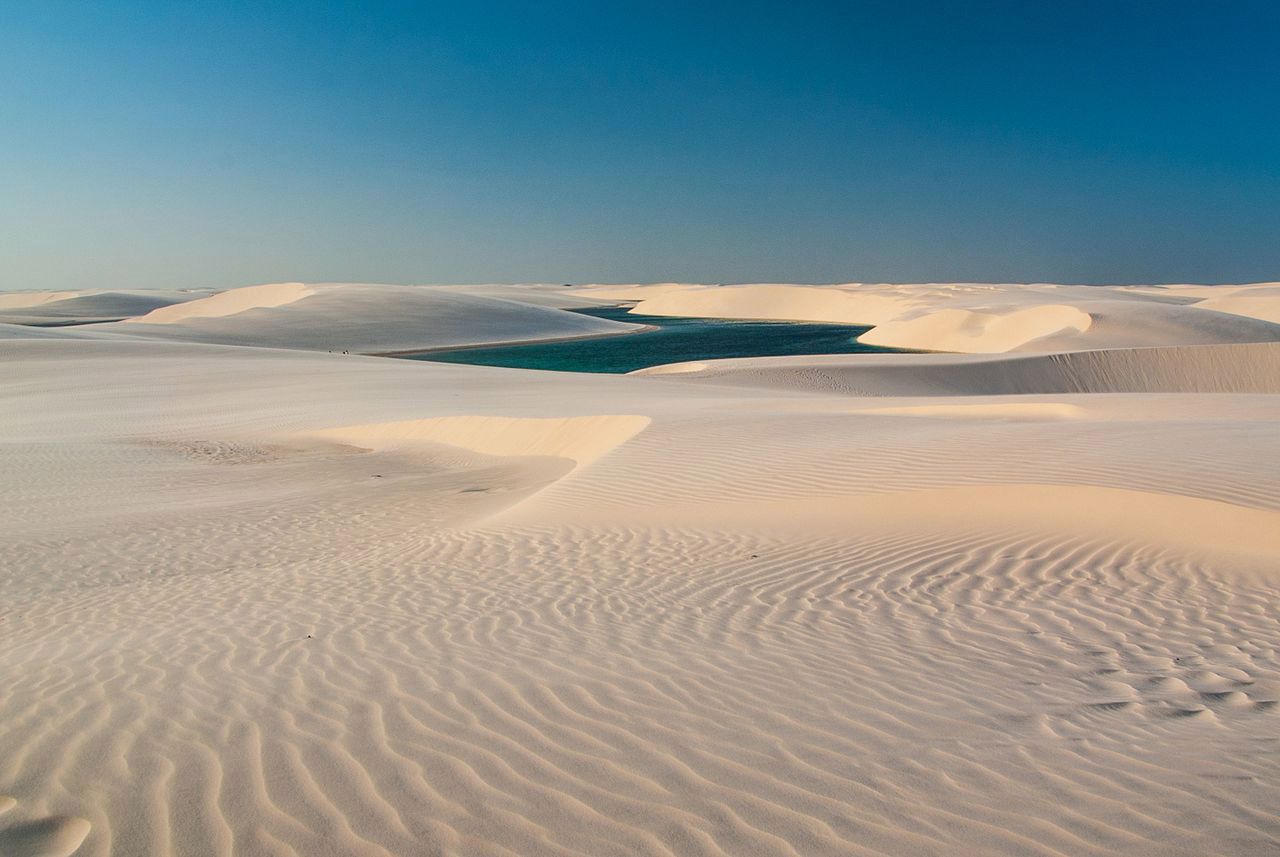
(62, 307)
(985, 319)
(1262, 302)
(361, 318)
(232, 302)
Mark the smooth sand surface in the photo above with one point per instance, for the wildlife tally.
(976, 318)
(26, 300)
(1261, 302)
(55, 308)
(231, 302)
(361, 317)
(277, 601)
(1177, 369)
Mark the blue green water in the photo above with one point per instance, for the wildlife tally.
(676, 340)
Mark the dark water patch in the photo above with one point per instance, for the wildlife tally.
(676, 340)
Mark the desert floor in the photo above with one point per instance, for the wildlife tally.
(261, 597)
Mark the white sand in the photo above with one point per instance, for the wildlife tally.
(970, 332)
(262, 600)
(987, 319)
(88, 305)
(1259, 302)
(1177, 369)
(231, 302)
(26, 300)
(363, 318)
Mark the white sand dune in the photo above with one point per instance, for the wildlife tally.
(979, 318)
(558, 296)
(363, 318)
(227, 303)
(948, 317)
(765, 301)
(26, 300)
(21, 331)
(263, 600)
(1000, 410)
(579, 439)
(43, 331)
(1258, 302)
(1178, 369)
(86, 306)
(968, 331)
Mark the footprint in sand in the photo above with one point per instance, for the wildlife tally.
(55, 836)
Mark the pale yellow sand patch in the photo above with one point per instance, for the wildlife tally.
(1000, 410)
(1258, 302)
(977, 318)
(22, 300)
(579, 439)
(972, 332)
(228, 303)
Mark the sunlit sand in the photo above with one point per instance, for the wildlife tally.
(266, 597)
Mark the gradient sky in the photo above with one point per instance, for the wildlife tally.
(226, 143)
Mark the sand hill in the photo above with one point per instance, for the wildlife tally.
(977, 318)
(263, 599)
(54, 308)
(359, 317)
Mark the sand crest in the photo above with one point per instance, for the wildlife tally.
(228, 303)
(363, 318)
(579, 439)
(978, 318)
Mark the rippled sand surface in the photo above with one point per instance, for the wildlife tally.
(265, 601)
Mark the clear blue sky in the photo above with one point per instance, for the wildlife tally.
(225, 143)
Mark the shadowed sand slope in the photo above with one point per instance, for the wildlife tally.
(1185, 369)
(89, 305)
(1261, 302)
(359, 317)
(227, 303)
(977, 318)
(280, 602)
(579, 439)
(30, 331)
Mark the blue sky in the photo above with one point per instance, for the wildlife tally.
(226, 143)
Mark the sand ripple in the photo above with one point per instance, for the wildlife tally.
(527, 621)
